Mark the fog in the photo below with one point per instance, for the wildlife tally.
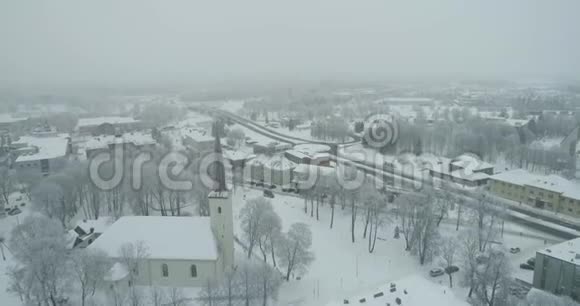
(120, 42)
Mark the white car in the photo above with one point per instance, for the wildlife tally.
(436, 272)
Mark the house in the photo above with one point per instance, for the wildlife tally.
(41, 155)
(309, 154)
(466, 170)
(106, 125)
(275, 169)
(86, 231)
(552, 192)
(270, 147)
(306, 175)
(128, 141)
(413, 290)
(197, 140)
(12, 124)
(557, 269)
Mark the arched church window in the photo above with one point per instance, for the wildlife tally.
(165, 270)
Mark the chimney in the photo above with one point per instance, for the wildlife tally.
(92, 230)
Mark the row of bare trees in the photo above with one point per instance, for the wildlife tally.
(262, 228)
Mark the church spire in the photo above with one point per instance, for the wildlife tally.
(219, 173)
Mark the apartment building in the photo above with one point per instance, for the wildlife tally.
(550, 192)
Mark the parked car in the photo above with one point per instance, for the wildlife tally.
(268, 194)
(526, 266)
(451, 269)
(531, 261)
(514, 250)
(272, 186)
(14, 211)
(481, 259)
(436, 272)
(252, 183)
(259, 184)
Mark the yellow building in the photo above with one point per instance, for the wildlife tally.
(551, 192)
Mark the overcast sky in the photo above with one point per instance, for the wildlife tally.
(117, 41)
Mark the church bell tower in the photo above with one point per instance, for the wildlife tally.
(220, 208)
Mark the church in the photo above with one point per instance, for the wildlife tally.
(174, 251)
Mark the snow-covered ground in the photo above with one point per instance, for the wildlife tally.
(344, 269)
(6, 225)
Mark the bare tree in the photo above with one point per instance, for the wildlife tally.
(89, 266)
(270, 232)
(486, 217)
(469, 252)
(7, 184)
(176, 297)
(157, 296)
(493, 281)
(39, 247)
(424, 231)
(252, 215)
(448, 250)
(294, 248)
(407, 212)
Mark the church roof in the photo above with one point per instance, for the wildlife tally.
(189, 238)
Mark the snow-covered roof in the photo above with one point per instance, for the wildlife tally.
(99, 225)
(311, 149)
(568, 251)
(194, 119)
(196, 135)
(8, 118)
(413, 290)
(551, 182)
(468, 161)
(280, 163)
(236, 155)
(45, 147)
(91, 122)
(103, 141)
(164, 237)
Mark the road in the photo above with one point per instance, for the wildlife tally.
(521, 216)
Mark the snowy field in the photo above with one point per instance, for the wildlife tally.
(343, 269)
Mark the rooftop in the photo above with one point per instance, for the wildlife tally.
(8, 118)
(99, 225)
(412, 291)
(90, 122)
(46, 147)
(551, 182)
(568, 251)
(164, 237)
(103, 141)
(197, 135)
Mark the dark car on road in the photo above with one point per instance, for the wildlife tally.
(526, 266)
(268, 194)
